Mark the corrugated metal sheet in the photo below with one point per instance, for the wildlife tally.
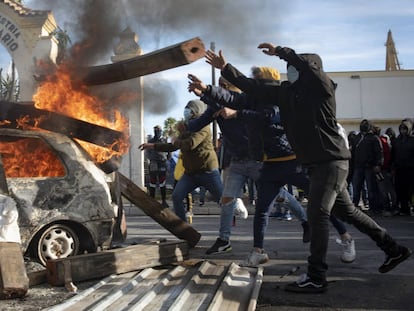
(206, 286)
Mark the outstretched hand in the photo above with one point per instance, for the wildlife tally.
(217, 61)
(195, 85)
(146, 146)
(268, 48)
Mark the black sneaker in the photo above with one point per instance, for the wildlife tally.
(392, 261)
(220, 246)
(306, 232)
(306, 285)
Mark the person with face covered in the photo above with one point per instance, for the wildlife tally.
(367, 161)
(199, 159)
(402, 159)
(157, 166)
(308, 113)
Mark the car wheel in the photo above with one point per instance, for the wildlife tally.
(57, 241)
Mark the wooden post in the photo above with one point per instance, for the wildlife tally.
(120, 260)
(164, 216)
(170, 57)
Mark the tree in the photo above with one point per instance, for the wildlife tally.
(169, 127)
(9, 85)
(63, 43)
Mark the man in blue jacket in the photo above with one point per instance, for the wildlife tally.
(308, 111)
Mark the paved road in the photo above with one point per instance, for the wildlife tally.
(355, 286)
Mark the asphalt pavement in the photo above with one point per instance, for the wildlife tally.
(354, 286)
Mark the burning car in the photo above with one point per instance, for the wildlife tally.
(63, 198)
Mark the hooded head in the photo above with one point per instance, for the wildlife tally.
(157, 131)
(390, 132)
(194, 109)
(406, 127)
(365, 126)
(266, 73)
(314, 60)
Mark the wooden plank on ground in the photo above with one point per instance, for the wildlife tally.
(37, 277)
(164, 216)
(170, 57)
(13, 278)
(131, 258)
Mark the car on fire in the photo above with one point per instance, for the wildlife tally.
(62, 196)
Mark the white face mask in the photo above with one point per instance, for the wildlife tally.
(188, 113)
(292, 74)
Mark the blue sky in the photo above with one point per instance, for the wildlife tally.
(348, 35)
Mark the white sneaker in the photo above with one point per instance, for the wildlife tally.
(348, 250)
(240, 209)
(254, 259)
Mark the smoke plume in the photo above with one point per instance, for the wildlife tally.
(94, 26)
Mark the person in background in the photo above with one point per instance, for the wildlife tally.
(157, 166)
(384, 178)
(402, 164)
(199, 159)
(367, 159)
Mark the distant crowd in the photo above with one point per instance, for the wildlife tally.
(381, 174)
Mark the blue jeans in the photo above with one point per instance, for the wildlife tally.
(211, 180)
(294, 206)
(328, 193)
(273, 176)
(235, 176)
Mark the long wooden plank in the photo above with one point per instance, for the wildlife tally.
(164, 216)
(131, 258)
(170, 57)
(60, 123)
(14, 282)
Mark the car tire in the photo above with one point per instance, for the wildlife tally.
(56, 241)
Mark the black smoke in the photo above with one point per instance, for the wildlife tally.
(94, 27)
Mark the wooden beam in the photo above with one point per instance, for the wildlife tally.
(59, 123)
(4, 189)
(170, 57)
(121, 260)
(164, 216)
(14, 282)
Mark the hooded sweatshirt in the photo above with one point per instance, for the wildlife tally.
(197, 148)
(403, 147)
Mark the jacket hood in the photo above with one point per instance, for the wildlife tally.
(312, 59)
(408, 124)
(196, 106)
(366, 126)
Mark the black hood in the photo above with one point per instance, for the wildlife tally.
(408, 124)
(312, 59)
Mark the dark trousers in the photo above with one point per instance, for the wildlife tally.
(404, 186)
(327, 192)
(274, 175)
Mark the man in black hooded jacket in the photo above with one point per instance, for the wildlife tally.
(308, 111)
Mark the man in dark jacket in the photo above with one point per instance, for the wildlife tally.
(403, 165)
(157, 167)
(367, 160)
(308, 111)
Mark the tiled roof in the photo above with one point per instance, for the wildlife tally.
(21, 9)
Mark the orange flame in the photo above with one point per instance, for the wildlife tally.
(59, 94)
(17, 163)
